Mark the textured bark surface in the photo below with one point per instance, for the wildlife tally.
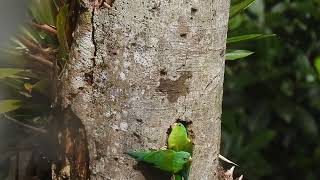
(137, 68)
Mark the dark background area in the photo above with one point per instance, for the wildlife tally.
(272, 99)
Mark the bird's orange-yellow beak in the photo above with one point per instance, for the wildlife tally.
(190, 160)
(174, 125)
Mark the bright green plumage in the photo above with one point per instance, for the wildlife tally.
(179, 141)
(166, 160)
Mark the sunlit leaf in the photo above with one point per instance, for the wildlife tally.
(61, 30)
(10, 73)
(15, 84)
(28, 87)
(41, 11)
(234, 23)
(25, 94)
(9, 105)
(237, 54)
(29, 34)
(248, 37)
(236, 8)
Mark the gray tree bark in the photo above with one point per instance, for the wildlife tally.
(135, 69)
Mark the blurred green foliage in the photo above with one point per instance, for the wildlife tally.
(272, 98)
(29, 66)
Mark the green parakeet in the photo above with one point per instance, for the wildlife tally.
(166, 160)
(178, 140)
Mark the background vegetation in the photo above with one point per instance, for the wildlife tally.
(272, 98)
(29, 67)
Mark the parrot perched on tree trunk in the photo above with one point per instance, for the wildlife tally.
(178, 140)
(176, 157)
(166, 160)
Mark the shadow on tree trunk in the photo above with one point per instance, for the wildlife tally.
(151, 173)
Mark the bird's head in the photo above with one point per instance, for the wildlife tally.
(178, 126)
(183, 157)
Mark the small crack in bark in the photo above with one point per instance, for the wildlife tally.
(93, 29)
(215, 77)
(93, 37)
(208, 84)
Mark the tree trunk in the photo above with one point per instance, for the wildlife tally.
(135, 69)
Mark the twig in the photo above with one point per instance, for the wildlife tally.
(41, 60)
(45, 27)
(40, 130)
(62, 70)
(32, 46)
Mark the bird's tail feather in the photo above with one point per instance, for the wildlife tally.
(138, 155)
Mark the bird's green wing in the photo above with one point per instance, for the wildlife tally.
(139, 155)
(166, 160)
(161, 159)
(180, 161)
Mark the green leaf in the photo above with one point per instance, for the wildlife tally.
(25, 94)
(317, 64)
(235, 23)
(61, 30)
(30, 35)
(248, 37)
(237, 54)
(10, 73)
(235, 9)
(15, 84)
(42, 12)
(9, 105)
(28, 86)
